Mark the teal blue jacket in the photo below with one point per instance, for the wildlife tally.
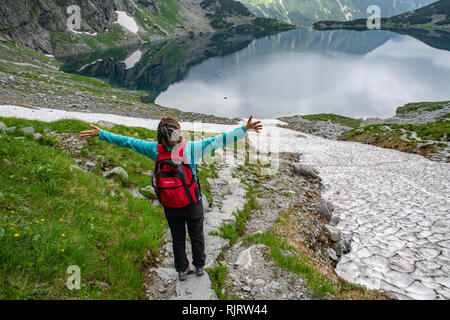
(193, 152)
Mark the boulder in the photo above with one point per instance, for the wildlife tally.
(334, 220)
(28, 130)
(335, 233)
(117, 171)
(306, 171)
(338, 247)
(37, 136)
(149, 192)
(332, 254)
(106, 124)
(346, 243)
(135, 193)
(325, 208)
(90, 165)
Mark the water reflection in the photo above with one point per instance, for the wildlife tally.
(361, 74)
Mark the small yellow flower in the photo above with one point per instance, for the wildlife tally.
(37, 221)
(13, 224)
(63, 235)
(16, 235)
(12, 211)
(60, 219)
(42, 220)
(62, 250)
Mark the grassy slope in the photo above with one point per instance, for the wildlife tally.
(333, 118)
(160, 24)
(52, 217)
(423, 139)
(389, 136)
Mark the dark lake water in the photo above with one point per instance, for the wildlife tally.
(359, 74)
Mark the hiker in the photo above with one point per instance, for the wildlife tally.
(176, 181)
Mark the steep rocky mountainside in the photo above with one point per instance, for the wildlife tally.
(309, 11)
(42, 24)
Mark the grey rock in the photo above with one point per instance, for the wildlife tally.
(334, 220)
(37, 136)
(149, 190)
(325, 208)
(11, 129)
(137, 194)
(305, 170)
(73, 166)
(90, 165)
(106, 124)
(117, 171)
(335, 233)
(19, 138)
(2, 127)
(346, 243)
(246, 288)
(332, 254)
(28, 130)
(338, 247)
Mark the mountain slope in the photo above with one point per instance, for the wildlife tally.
(42, 24)
(309, 11)
(430, 24)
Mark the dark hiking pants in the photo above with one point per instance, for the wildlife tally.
(193, 218)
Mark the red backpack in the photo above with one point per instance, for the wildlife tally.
(174, 182)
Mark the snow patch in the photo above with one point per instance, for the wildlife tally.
(127, 22)
(134, 58)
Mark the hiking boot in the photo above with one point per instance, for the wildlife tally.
(199, 271)
(182, 275)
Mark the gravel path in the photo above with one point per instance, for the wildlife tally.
(396, 205)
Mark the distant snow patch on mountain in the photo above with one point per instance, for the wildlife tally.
(127, 22)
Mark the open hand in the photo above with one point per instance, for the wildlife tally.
(90, 133)
(253, 125)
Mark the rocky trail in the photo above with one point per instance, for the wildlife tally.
(163, 280)
(394, 206)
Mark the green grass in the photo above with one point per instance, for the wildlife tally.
(217, 276)
(295, 262)
(334, 118)
(439, 131)
(109, 234)
(426, 106)
(289, 258)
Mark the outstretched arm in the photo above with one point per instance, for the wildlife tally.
(199, 149)
(144, 147)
